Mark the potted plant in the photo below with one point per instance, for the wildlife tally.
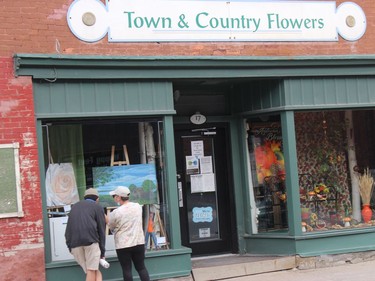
(366, 183)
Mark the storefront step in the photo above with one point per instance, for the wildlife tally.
(230, 266)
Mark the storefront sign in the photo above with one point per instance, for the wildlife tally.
(172, 20)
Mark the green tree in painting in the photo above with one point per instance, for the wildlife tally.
(145, 194)
(148, 186)
(104, 175)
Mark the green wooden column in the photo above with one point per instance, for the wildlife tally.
(291, 168)
(171, 181)
(241, 192)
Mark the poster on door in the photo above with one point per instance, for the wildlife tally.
(203, 183)
(192, 165)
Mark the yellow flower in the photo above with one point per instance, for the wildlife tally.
(313, 217)
(321, 188)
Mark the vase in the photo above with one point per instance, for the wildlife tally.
(366, 213)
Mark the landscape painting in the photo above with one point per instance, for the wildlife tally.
(139, 178)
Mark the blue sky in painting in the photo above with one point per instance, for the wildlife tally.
(125, 176)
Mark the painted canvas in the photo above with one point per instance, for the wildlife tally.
(139, 178)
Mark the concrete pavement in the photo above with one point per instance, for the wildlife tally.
(232, 267)
(348, 272)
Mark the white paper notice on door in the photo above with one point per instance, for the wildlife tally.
(204, 233)
(206, 164)
(203, 183)
(197, 149)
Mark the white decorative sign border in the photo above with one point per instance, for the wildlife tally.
(172, 20)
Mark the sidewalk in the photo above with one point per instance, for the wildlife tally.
(347, 272)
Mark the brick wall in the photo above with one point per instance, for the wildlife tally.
(41, 27)
(21, 239)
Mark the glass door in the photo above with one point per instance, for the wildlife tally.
(205, 191)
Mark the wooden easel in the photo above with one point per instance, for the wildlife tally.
(119, 163)
(162, 231)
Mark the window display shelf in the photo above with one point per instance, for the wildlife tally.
(319, 204)
(319, 201)
(271, 203)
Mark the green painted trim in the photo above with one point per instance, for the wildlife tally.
(271, 245)
(160, 265)
(291, 168)
(106, 114)
(48, 66)
(241, 190)
(102, 98)
(274, 110)
(335, 242)
(313, 244)
(167, 60)
(42, 174)
(171, 181)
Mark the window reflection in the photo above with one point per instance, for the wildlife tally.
(95, 151)
(331, 159)
(268, 174)
(336, 166)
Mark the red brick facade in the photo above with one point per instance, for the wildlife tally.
(21, 239)
(40, 27)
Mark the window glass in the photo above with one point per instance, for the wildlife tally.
(10, 200)
(104, 154)
(336, 166)
(268, 174)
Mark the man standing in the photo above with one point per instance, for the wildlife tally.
(85, 234)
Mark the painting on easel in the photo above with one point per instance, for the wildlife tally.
(139, 178)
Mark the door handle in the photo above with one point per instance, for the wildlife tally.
(180, 195)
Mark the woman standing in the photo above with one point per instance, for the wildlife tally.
(126, 224)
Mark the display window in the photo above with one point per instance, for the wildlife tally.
(268, 174)
(336, 168)
(104, 154)
(336, 161)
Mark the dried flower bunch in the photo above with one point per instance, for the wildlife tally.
(366, 184)
(321, 188)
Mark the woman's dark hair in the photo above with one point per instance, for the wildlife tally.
(92, 197)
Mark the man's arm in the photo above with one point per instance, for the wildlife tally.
(68, 235)
(101, 221)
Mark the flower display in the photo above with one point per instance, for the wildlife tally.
(321, 189)
(269, 156)
(366, 185)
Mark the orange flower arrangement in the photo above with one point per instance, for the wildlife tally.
(321, 191)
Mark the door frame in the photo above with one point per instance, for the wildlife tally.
(232, 237)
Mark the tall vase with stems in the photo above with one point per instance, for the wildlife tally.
(366, 184)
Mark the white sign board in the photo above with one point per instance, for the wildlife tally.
(172, 20)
